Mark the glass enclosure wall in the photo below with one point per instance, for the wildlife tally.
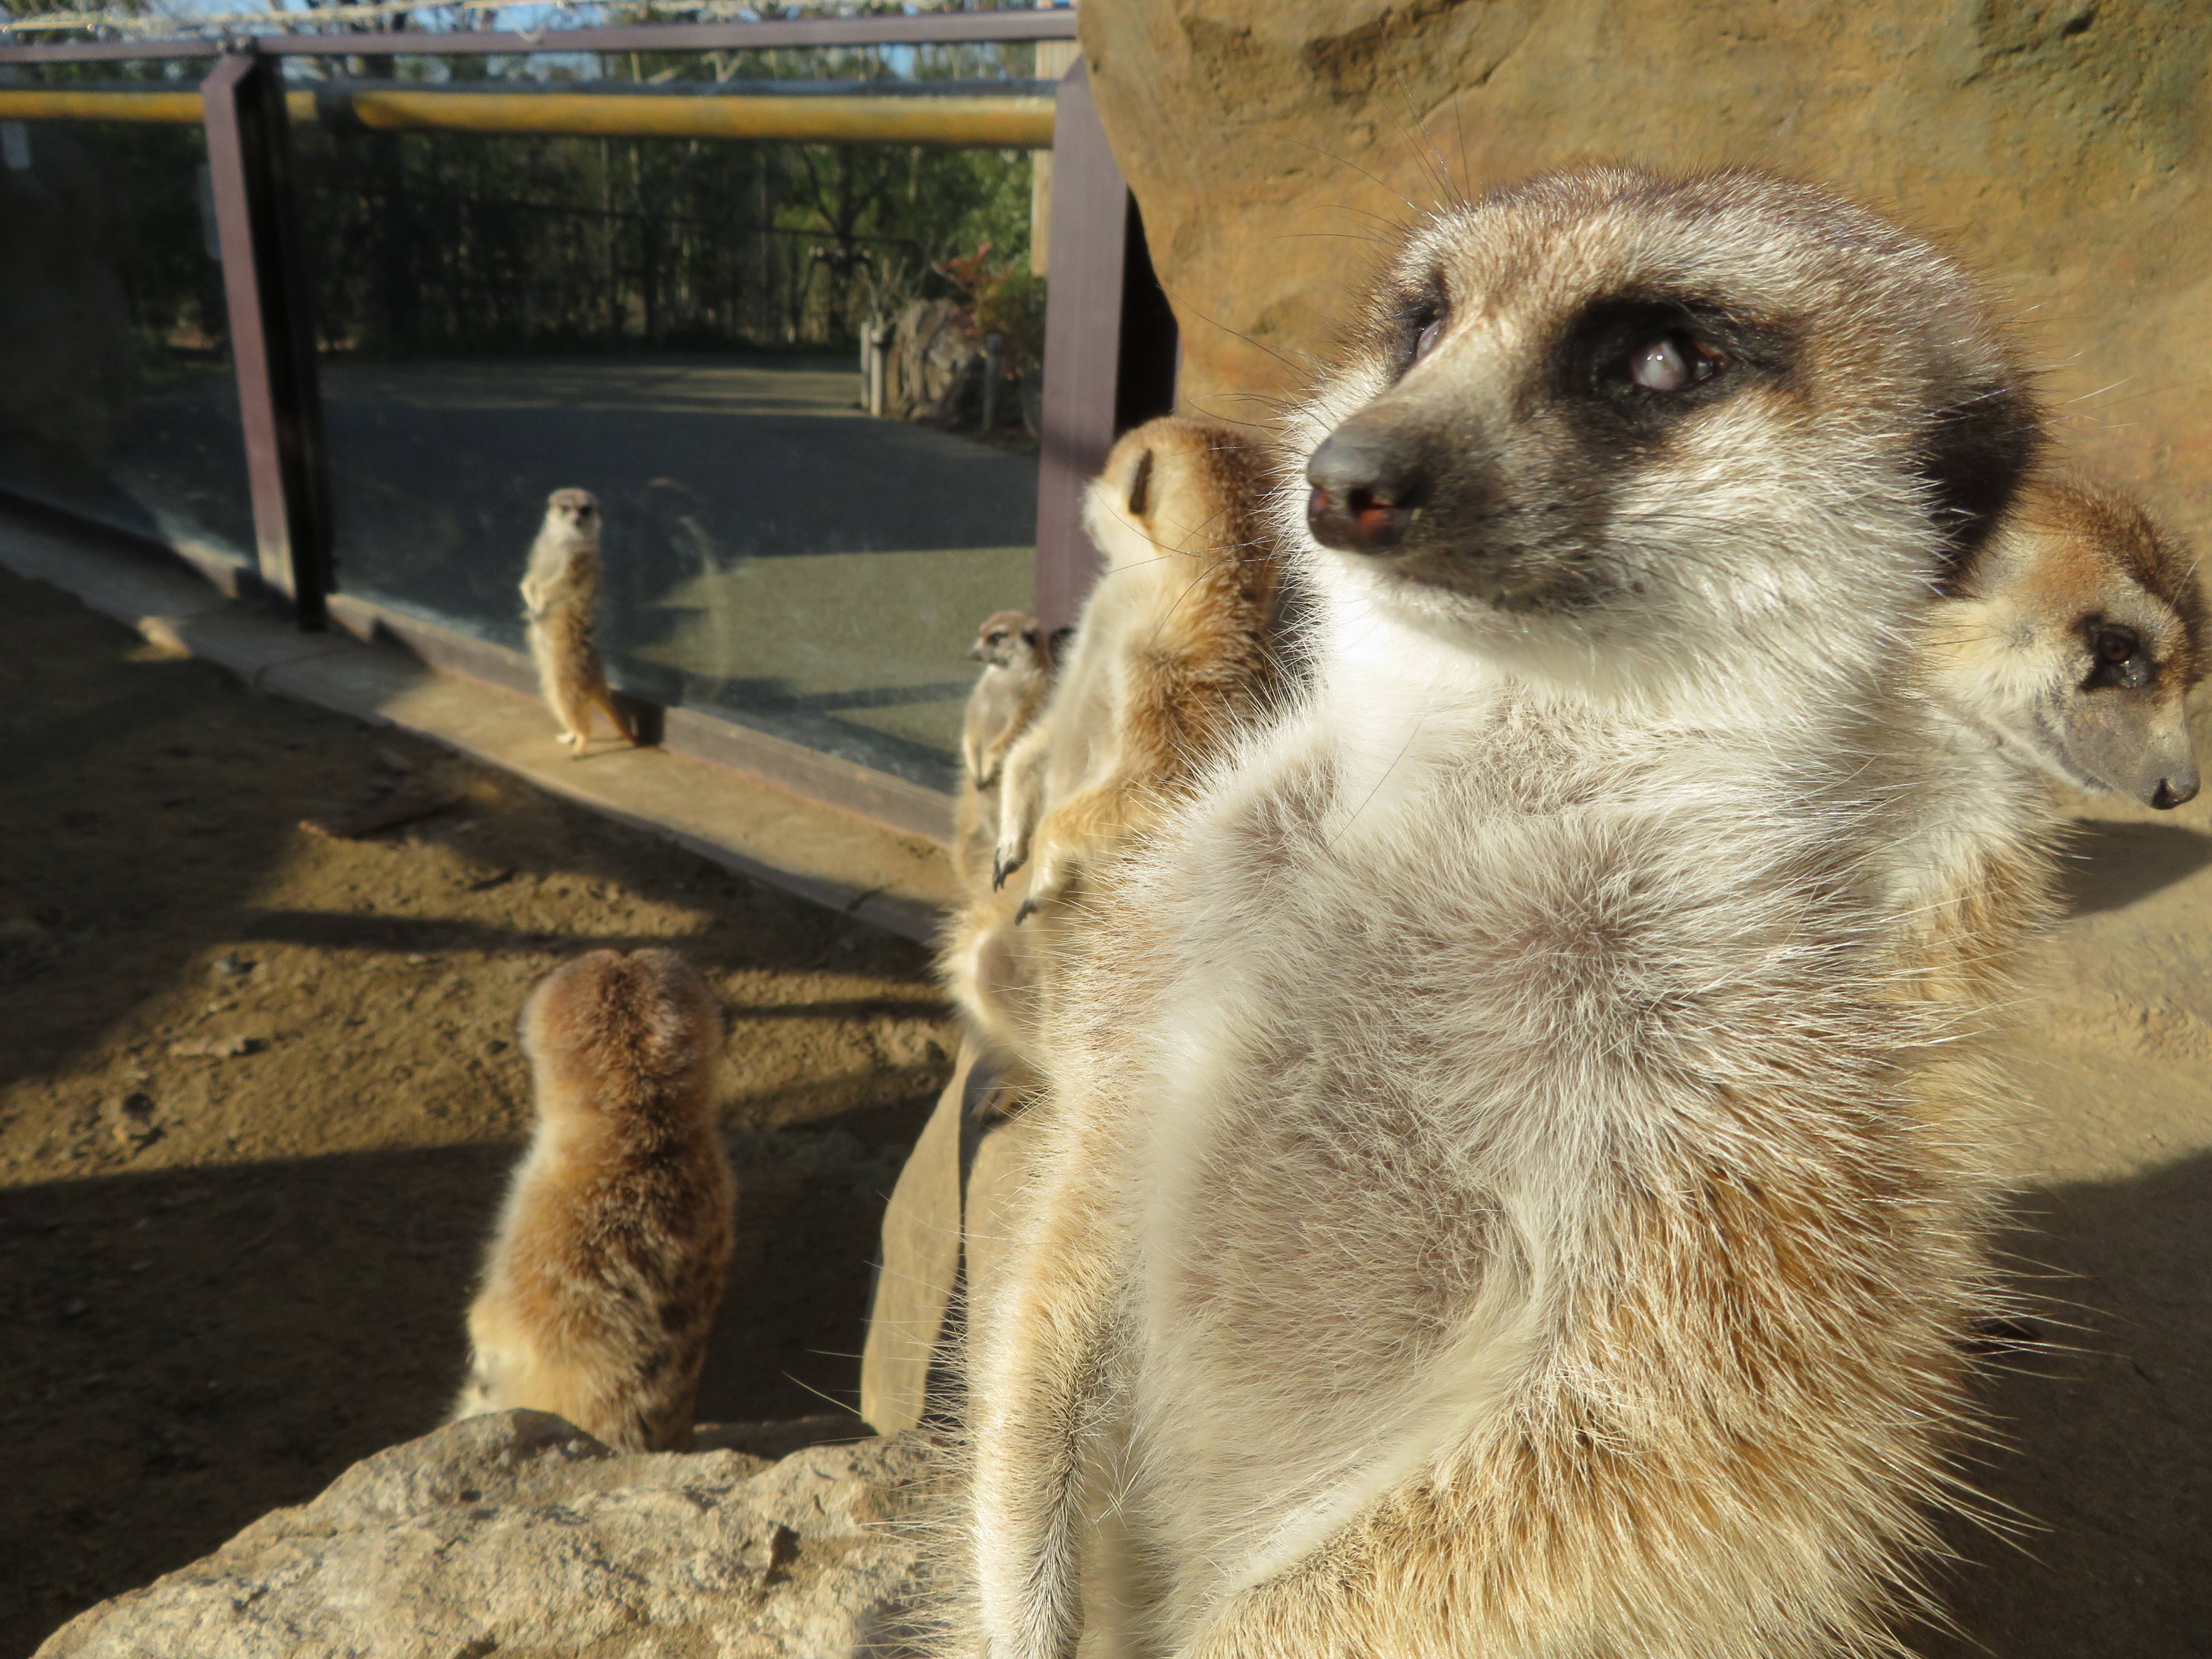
(116, 399)
(677, 327)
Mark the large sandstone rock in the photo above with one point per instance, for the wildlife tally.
(518, 1534)
(2060, 144)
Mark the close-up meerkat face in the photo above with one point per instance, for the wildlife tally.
(1005, 638)
(576, 510)
(1606, 408)
(2076, 638)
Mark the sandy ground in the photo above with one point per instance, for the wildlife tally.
(258, 1094)
(223, 1276)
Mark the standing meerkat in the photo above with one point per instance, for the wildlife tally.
(560, 603)
(1017, 674)
(1174, 655)
(1172, 652)
(1490, 1201)
(601, 1283)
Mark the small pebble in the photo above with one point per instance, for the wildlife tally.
(231, 967)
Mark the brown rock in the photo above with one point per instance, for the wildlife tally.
(517, 1531)
(2058, 145)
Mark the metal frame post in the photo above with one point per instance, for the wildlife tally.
(1110, 343)
(271, 343)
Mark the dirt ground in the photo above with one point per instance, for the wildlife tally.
(259, 1092)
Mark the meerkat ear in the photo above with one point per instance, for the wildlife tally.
(1140, 484)
(1976, 452)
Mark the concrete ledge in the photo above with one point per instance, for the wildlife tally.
(896, 879)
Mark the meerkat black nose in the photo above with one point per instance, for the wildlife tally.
(2174, 791)
(1367, 488)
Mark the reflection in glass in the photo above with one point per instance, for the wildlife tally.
(117, 399)
(676, 326)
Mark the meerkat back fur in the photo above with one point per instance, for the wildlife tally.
(602, 1281)
(1494, 1199)
(1017, 665)
(561, 606)
(1172, 656)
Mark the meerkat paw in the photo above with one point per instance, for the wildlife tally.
(1004, 862)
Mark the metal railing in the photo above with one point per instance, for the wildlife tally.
(1109, 351)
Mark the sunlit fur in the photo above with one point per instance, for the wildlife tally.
(1017, 674)
(1495, 1198)
(601, 1284)
(1171, 656)
(561, 604)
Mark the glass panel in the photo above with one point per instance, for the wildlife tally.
(116, 399)
(675, 326)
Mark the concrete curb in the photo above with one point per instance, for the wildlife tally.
(900, 883)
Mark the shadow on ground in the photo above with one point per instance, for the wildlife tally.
(2109, 1459)
(189, 1349)
(2112, 864)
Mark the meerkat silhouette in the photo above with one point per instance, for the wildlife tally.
(1017, 666)
(1494, 1199)
(601, 1283)
(1174, 655)
(561, 604)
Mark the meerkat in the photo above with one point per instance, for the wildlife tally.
(1174, 655)
(1017, 663)
(2066, 653)
(561, 604)
(2076, 641)
(601, 1283)
(1489, 1202)
(1171, 653)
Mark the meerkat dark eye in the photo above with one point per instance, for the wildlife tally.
(2120, 660)
(1425, 341)
(1671, 363)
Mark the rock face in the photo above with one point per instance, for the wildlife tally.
(518, 1533)
(2059, 145)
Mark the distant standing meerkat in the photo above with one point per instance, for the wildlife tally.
(1017, 666)
(1493, 1200)
(561, 602)
(602, 1281)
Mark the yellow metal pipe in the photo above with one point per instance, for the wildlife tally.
(987, 123)
(983, 123)
(18, 104)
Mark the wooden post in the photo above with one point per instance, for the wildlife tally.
(272, 345)
(1110, 344)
